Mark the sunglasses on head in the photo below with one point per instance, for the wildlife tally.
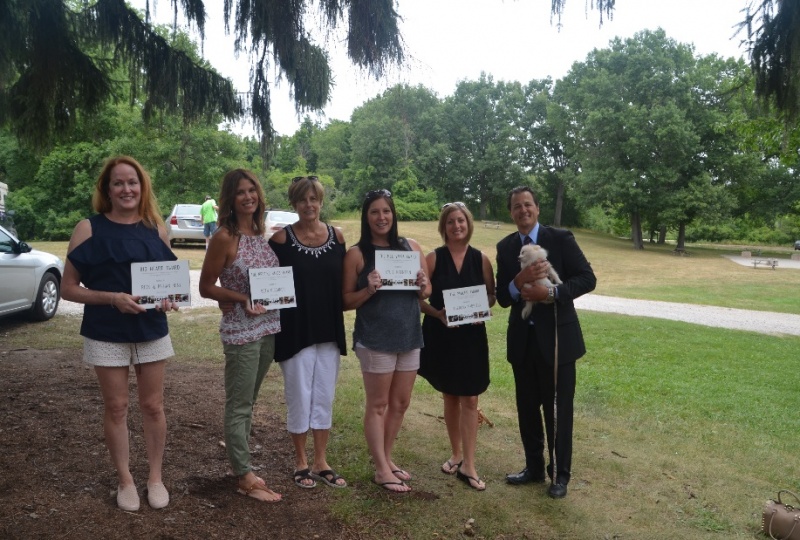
(457, 204)
(378, 193)
(298, 178)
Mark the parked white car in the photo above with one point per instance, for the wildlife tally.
(30, 280)
(275, 220)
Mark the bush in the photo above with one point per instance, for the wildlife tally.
(414, 211)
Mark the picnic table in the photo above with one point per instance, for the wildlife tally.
(493, 224)
(769, 261)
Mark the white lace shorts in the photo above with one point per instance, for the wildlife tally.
(107, 354)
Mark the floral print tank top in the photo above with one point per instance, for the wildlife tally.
(236, 327)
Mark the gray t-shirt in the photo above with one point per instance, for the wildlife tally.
(390, 320)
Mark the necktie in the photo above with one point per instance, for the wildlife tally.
(527, 241)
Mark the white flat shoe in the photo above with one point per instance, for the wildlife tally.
(157, 495)
(128, 498)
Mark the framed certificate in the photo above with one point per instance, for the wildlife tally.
(466, 305)
(398, 269)
(273, 288)
(152, 282)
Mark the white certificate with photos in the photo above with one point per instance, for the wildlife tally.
(273, 288)
(153, 282)
(466, 305)
(398, 269)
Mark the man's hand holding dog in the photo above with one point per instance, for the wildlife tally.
(532, 273)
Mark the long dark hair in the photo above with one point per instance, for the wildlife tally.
(227, 196)
(365, 242)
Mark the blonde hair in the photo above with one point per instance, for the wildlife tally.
(448, 209)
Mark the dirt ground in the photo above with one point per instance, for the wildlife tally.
(56, 478)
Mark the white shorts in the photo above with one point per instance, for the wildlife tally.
(108, 354)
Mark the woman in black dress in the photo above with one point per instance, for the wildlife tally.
(455, 360)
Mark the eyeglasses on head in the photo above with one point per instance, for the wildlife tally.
(310, 177)
(457, 204)
(372, 194)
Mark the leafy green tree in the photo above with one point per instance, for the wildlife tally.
(482, 137)
(645, 131)
(331, 145)
(773, 34)
(548, 149)
(384, 139)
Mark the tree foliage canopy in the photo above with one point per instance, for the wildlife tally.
(773, 27)
(57, 58)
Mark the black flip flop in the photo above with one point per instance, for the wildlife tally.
(469, 479)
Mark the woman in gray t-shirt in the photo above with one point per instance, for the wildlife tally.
(387, 336)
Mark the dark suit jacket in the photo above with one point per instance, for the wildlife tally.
(576, 273)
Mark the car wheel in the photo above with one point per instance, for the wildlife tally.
(46, 299)
(172, 243)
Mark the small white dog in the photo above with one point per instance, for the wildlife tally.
(530, 254)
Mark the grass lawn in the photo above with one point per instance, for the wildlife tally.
(681, 431)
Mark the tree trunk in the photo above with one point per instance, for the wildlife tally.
(559, 204)
(662, 235)
(636, 230)
(681, 247)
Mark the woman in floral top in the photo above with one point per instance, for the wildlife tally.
(247, 331)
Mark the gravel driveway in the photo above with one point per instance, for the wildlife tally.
(738, 319)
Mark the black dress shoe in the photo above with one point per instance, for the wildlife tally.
(557, 491)
(525, 476)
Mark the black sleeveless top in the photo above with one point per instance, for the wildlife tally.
(455, 360)
(318, 317)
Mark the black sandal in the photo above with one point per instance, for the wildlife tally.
(330, 477)
(305, 474)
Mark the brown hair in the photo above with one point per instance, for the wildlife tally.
(301, 185)
(148, 204)
(227, 196)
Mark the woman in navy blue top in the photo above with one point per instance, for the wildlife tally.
(117, 330)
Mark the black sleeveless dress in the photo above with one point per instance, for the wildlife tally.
(455, 360)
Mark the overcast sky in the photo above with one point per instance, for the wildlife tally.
(451, 40)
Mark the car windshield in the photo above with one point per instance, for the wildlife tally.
(187, 210)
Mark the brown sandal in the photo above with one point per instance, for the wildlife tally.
(258, 486)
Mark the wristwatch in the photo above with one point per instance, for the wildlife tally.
(551, 295)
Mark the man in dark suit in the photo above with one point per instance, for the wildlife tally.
(531, 343)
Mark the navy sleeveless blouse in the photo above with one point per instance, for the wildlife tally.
(104, 264)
